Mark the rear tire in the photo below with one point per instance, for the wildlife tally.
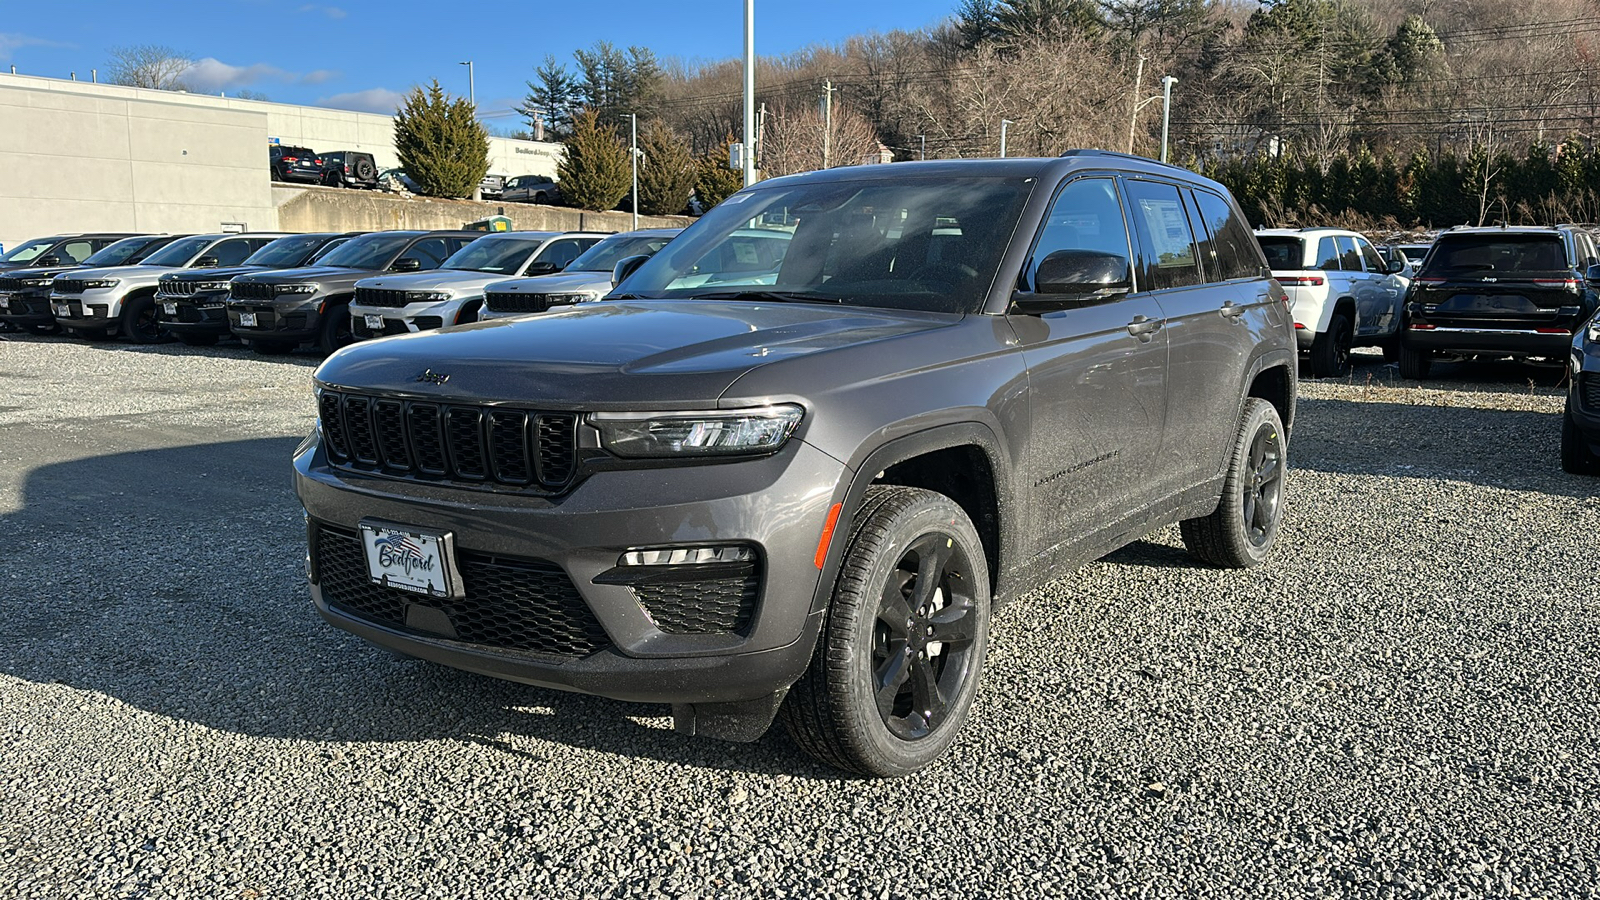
(139, 321)
(884, 695)
(1330, 351)
(1414, 364)
(1576, 457)
(1242, 530)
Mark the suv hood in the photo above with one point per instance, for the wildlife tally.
(216, 274)
(467, 283)
(660, 354)
(560, 282)
(136, 275)
(40, 273)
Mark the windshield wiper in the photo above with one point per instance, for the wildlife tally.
(779, 296)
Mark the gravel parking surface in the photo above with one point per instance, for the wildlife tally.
(1404, 703)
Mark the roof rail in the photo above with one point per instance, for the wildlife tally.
(1116, 155)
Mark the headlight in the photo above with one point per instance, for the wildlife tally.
(100, 284)
(427, 296)
(1594, 330)
(710, 433)
(35, 282)
(294, 289)
(206, 287)
(569, 299)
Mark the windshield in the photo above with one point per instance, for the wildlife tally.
(1283, 252)
(1487, 253)
(604, 256)
(329, 247)
(370, 251)
(286, 253)
(121, 253)
(178, 253)
(26, 251)
(930, 244)
(497, 256)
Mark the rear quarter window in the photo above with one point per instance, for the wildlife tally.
(1283, 253)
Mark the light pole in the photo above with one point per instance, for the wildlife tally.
(923, 145)
(1004, 124)
(1167, 81)
(749, 92)
(472, 93)
(633, 156)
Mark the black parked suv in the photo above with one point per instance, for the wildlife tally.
(349, 168)
(1580, 423)
(25, 293)
(57, 251)
(273, 312)
(301, 164)
(190, 304)
(1498, 292)
(798, 483)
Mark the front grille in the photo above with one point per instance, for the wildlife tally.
(1589, 391)
(510, 603)
(67, 286)
(10, 284)
(388, 299)
(714, 606)
(516, 303)
(456, 442)
(178, 288)
(250, 291)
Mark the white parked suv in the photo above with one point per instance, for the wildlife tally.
(1342, 292)
(100, 303)
(587, 279)
(453, 293)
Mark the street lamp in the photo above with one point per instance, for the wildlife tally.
(472, 94)
(923, 141)
(1167, 81)
(749, 161)
(633, 156)
(1004, 124)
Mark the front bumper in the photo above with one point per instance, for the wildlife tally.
(406, 319)
(296, 320)
(26, 308)
(1488, 340)
(89, 311)
(778, 505)
(197, 314)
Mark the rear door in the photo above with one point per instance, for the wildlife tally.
(1379, 314)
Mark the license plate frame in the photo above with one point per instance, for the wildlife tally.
(415, 560)
(169, 307)
(374, 322)
(61, 309)
(247, 320)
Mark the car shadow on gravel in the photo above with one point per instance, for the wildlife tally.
(172, 580)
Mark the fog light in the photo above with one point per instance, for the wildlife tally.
(687, 556)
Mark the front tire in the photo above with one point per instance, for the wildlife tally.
(139, 321)
(335, 331)
(1330, 351)
(1576, 457)
(897, 664)
(1414, 364)
(1242, 530)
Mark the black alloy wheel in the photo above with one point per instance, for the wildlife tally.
(140, 323)
(924, 637)
(1263, 485)
(1243, 529)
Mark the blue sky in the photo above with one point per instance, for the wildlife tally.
(362, 55)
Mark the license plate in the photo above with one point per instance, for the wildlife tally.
(422, 562)
(5, 301)
(61, 309)
(170, 308)
(247, 320)
(375, 322)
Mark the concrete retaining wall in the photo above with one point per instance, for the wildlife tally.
(336, 209)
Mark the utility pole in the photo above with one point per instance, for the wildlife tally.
(923, 145)
(1004, 124)
(749, 92)
(633, 157)
(827, 123)
(1167, 81)
(1133, 115)
(472, 91)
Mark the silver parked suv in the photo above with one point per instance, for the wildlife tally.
(586, 279)
(801, 491)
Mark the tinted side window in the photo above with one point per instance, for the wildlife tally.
(1328, 255)
(232, 252)
(1086, 216)
(561, 253)
(1169, 258)
(428, 251)
(1374, 261)
(1349, 257)
(1233, 248)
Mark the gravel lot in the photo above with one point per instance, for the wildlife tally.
(1404, 703)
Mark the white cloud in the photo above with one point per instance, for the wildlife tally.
(320, 76)
(12, 42)
(332, 12)
(208, 76)
(376, 100)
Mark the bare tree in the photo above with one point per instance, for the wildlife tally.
(148, 66)
(794, 140)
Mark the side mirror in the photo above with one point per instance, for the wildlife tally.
(45, 262)
(205, 262)
(543, 268)
(406, 264)
(626, 267)
(1592, 274)
(1072, 278)
(1396, 266)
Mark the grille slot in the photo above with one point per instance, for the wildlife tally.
(423, 440)
(250, 291)
(496, 301)
(66, 286)
(178, 288)
(510, 603)
(713, 606)
(381, 297)
(10, 284)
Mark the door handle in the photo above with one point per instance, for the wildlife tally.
(1144, 328)
(1231, 310)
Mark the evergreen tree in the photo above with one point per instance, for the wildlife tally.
(595, 172)
(977, 22)
(615, 82)
(667, 171)
(551, 98)
(441, 144)
(714, 181)
(1413, 53)
(1021, 20)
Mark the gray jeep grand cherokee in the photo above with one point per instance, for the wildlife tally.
(796, 483)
